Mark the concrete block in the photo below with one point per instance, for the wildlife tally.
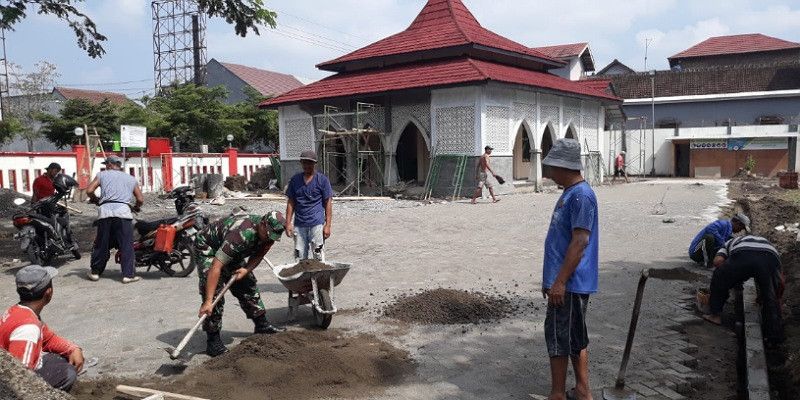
(669, 393)
(680, 367)
(642, 389)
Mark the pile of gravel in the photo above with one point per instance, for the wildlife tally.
(19, 383)
(449, 306)
(7, 206)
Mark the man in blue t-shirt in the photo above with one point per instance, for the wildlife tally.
(309, 209)
(570, 269)
(706, 243)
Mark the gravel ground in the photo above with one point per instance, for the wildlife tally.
(402, 247)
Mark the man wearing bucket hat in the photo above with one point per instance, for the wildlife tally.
(570, 270)
(709, 240)
(309, 208)
(234, 245)
(27, 338)
(115, 218)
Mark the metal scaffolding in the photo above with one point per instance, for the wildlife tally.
(179, 43)
(358, 157)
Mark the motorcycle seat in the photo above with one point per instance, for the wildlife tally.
(145, 227)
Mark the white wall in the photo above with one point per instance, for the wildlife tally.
(17, 165)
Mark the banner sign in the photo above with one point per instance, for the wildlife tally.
(133, 136)
(737, 144)
(713, 144)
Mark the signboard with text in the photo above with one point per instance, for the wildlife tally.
(133, 136)
(712, 144)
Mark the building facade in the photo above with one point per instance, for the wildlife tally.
(432, 97)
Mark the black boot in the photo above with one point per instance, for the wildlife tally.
(214, 345)
(264, 327)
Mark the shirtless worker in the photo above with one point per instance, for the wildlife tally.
(483, 176)
(231, 246)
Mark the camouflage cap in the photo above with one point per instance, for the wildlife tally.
(276, 223)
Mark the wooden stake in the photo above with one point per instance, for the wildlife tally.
(148, 393)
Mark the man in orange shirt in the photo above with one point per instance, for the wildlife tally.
(43, 185)
(27, 338)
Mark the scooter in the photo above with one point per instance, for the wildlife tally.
(44, 229)
(179, 261)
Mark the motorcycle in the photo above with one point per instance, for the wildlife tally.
(44, 229)
(180, 261)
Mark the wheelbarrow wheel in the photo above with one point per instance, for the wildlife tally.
(323, 320)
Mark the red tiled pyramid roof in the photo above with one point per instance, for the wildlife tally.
(736, 44)
(562, 50)
(430, 74)
(440, 24)
(268, 83)
(92, 96)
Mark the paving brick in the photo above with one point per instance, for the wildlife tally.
(669, 393)
(680, 367)
(642, 389)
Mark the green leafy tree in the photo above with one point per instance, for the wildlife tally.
(100, 117)
(262, 125)
(244, 15)
(196, 115)
(9, 128)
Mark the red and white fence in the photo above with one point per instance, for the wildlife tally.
(156, 171)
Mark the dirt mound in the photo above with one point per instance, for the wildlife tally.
(675, 274)
(19, 383)
(290, 365)
(259, 180)
(303, 266)
(236, 183)
(448, 306)
(7, 206)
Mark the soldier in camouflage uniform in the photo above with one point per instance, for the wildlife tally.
(234, 246)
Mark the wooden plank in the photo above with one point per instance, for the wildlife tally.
(159, 396)
(145, 392)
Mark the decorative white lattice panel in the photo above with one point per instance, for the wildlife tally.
(497, 127)
(590, 132)
(550, 114)
(572, 116)
(525, 111)
(402, 114)
(455, 130)
(298, 137)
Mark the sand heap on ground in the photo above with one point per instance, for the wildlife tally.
(449, 306)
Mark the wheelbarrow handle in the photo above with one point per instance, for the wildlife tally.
(637, 306)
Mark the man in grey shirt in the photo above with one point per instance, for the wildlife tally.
(117, 191)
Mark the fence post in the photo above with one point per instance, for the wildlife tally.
(233, 158)
(166, 171)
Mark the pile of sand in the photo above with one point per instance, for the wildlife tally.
(19, 383)
(303, 266)
(289, 365)
(448, 306)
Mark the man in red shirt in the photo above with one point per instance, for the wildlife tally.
(27, 338)
(619, 167)
(43, 185)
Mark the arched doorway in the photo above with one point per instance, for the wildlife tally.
(412, 156)
(571, 133)
(522, 154)
(547, 141)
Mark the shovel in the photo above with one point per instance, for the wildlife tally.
(619, 392)
(176, 352)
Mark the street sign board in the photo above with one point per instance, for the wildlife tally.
(133, 136)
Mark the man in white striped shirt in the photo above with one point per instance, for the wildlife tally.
(742, 258)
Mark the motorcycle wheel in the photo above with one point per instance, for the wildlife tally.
(35, 255)
(186, 259)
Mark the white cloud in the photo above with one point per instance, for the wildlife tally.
(664, 44)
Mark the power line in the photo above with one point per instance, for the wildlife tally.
(106, 83)
(281, 12)
(311, 41)
(320, 37)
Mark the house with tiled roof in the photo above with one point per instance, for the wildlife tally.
(577, 56)
(422, 104)
(92, 96)
(751, 48)
(235, 78)
(615, 67)
(724, 100)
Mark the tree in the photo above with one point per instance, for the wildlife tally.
(9, 128)
(262, 127)
(101, 116)
(245, 15)
(196, 115)
(31, 97)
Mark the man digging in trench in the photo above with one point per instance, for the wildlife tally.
(570, 271)
(231, 246)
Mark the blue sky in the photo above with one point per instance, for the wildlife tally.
(312, 31)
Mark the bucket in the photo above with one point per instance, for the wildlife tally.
(165, 238)
(787, 180)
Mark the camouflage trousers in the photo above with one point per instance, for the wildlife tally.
(245, 290)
